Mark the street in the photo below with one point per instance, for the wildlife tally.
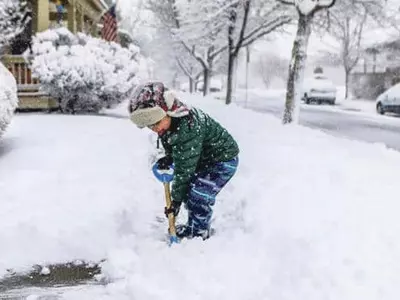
(333, 120)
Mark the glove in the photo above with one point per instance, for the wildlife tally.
(164, 163)
(175, 207)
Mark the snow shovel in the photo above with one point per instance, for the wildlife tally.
(166, 176)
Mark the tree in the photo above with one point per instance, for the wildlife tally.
(170, 58)
(191, 70)
(173, 48)
(133, 16)
(14, 16)
(208, 28)
(347, 22)
(349, 33)
(246, 25)
(200, 29)
(271, 66)
(306, 10)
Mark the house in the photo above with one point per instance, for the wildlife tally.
(76, 15)
(377, 70)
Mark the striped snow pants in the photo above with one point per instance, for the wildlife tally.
(203, 190)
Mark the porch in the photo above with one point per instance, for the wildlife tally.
(29, 95)
(76, 15)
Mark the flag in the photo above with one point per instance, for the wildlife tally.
(109, 32)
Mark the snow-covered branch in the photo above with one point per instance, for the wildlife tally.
(287, 2)
(265, 29)
(246, 6)
(309, 7)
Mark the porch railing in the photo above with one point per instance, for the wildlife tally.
(29, 94)
(21, 71)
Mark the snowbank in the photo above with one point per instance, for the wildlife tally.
(8, 97)
(308, 216)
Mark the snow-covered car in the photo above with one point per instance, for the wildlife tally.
(389, 101)
(319, 89)
(215, 86)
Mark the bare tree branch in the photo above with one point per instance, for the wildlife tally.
(186, 69)
(287, 2)
(266, 29)
(246, 5)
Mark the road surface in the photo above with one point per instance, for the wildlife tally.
(360, 126)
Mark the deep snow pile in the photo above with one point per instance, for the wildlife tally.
(308, 216)
(8, 97)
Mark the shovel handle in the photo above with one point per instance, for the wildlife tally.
(171, 217)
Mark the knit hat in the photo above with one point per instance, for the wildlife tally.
(151, 102)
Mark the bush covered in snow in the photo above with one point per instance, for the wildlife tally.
(8, 97)
(84, 73)
(14, 15)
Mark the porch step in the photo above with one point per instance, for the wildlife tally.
(28, 87)
(29, 101)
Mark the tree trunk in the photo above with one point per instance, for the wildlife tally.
(231, 56)
(206, 81)
(347, 79)
(191, 85)
(174, 80)
(235, 75)
(374, 65)
(296, 69)
(229, 83)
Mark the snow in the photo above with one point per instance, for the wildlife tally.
(45, 271)
(305, 6)
(319, 83)
(76, 62)
(8, 97)
(308, 215)
(276, 97)
(358, 105)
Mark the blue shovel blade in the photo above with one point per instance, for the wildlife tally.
(173, 240)
(163, 175)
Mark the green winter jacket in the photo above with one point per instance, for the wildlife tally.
(195, 142)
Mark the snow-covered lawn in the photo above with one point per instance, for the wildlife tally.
(308, 216)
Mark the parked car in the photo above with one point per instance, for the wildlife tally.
(389, 101)
(319, 89)
(215, 86)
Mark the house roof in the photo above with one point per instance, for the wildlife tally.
(393, 44)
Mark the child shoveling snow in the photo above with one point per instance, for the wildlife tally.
(204, 154)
